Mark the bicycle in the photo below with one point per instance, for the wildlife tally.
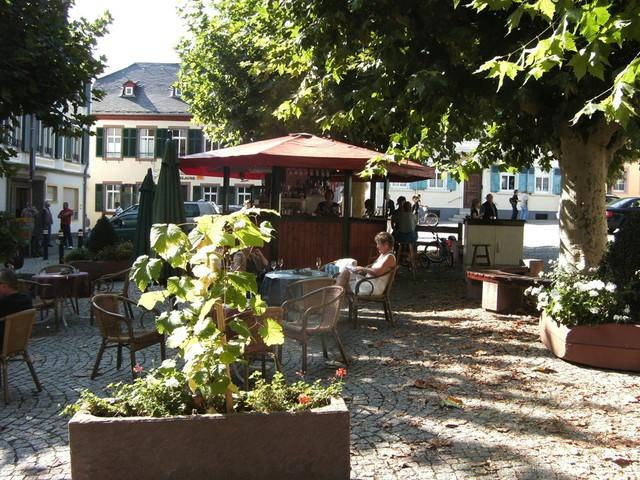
(439, 250)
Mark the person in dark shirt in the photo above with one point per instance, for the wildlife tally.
(514, 205)
(11, 301)
(489, 211)
(328, 208)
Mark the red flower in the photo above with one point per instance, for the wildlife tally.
(303, 399)
(138, 368)
(341, 372)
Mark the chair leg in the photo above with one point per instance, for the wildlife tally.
(340, 347)
(119, 358)
(324, 346)
(97, 364)
(304, 357)
(5, 381)
(27, 359)
(389, 314)
(354, 305)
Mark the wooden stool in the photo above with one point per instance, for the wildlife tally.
(483, 256)
(406, 248)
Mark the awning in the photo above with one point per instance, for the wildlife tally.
(296, 150)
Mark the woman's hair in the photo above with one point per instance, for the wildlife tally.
(385, 237)
(475, 202)
(406, 207)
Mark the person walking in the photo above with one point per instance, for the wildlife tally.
(514, 205)
(65, 216)
(524, 206)
(47, 221)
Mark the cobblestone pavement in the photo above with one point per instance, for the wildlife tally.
(451, 392)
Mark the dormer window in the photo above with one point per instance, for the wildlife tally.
(129, 88)
(176, 92)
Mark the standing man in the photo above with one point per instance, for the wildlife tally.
(29, 211)
(514, 205)
(11, 301)
(65, 216)
(489, 211)
(47, 221)
(524, 206)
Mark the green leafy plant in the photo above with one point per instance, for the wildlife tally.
(581, 298)
(102, 235)
(10, 239)
(77, 254)
(119, 251)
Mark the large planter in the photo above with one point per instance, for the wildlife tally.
(610, 345)
(309, 444)
(97, 268)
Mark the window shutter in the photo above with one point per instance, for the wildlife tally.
(451, 183)
(26, 133)
(197, 193)
(522, 180)
(531, 180)
(99, 198)
(59, 141)
(232, 196)
(161, 137)
(100, 142)
(194, 141)
(129, 142)
(557, 181)
(495, 178)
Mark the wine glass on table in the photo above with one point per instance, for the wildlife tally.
(280, 263)
(318, 263)
(274, 264)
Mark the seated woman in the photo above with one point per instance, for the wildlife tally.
(475, 208)
(328, 208)
(385, 262)
(369, 211)
(251, 260)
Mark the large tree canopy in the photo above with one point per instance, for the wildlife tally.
(531, 80)
(45, 62)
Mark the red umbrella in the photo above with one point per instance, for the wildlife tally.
(298, 150)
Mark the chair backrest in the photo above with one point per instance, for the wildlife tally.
(17, 331)
(320, 308)
(254, 324)
(107, 310)
(105, 282)
(61, 268)
(302, 287)
(392, 277)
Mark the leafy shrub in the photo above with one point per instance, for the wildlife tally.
(9, 237)
(581, 298)
(120, 251)
(102, 235)
(77, 254)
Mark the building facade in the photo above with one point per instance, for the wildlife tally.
(58, 171)
(140, 110)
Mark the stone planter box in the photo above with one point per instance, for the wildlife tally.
(611, 345)
(98, 268)
(310, 444)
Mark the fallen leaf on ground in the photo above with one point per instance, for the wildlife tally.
(623, 462)
(451, 402)
(545, 370)
(438, 443)
(419, 383)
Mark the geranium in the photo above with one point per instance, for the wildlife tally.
(138, 369)
(303, 399)
(341, 372)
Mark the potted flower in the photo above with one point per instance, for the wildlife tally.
(187, 419)
(593, 317)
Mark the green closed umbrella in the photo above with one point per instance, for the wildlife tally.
(141, 239)
(168, 204)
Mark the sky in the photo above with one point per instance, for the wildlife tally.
(141, 31)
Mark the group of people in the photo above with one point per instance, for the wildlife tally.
(43, 222)
(489, 211)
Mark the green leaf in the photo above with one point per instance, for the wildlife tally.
(546, 7)
(145, 270)
(177, 337)
(239, 327)
(271, 333)
(149, 300)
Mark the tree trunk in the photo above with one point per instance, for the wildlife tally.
(583, 226)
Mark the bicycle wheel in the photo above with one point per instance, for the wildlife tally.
(431, 219)
(423, 260)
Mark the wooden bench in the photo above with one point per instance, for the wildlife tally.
(502, 288)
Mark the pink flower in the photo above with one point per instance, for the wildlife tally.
(303, 399)
(341, 372)
(138, 368)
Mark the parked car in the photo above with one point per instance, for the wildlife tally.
(125, 223)
(609, 198)
(617, 211)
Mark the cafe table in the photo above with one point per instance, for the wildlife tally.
(65, 286)
(274, 285)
